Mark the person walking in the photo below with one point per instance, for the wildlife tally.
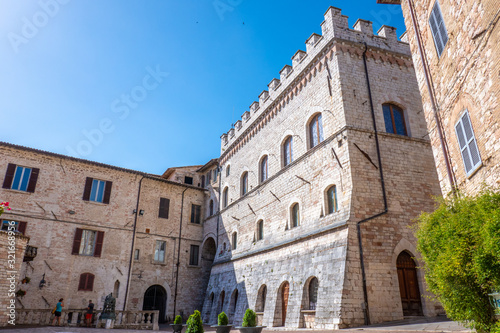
(90, 312)
(58, 311)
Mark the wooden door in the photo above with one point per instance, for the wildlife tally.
(284, 302)
(408, 285)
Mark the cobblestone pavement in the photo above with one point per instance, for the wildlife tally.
(433, 325)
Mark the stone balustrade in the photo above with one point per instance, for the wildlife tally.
(142, 320)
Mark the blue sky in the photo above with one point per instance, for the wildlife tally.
(69, 69)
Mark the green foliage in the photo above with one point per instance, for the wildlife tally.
(178, 320)
(194, 323)
(222, 319)
(249, 319)
(460, 247)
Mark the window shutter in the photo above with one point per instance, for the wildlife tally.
(98, 244)
(22, 227)
(76, 241)
(9, 175)
(33, 179)
(192, 214)
(468, 144)
(438, 29)
(164, 207)
(90, 282)
(107, 192)
(83, 279)
(88, 188)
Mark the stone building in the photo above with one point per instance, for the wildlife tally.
(305, 216)
(456, 50)
(100, 229)
(334, 152)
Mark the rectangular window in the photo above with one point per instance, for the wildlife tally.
(15, 226)
(97, 190)
(88, 242)
(215, 175)
(193, 257)
(20, 178)
(136, 254)
(160, 251)
(468, 144)
(438, 29)
(188, 180)
(164, 207)
(196, 214)
(209, 177)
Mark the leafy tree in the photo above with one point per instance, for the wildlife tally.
(178, 320)
(460, 247)
(194, 323)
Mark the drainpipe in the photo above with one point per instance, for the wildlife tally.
(366, 310)
(432, 97)
(178, 253)
(133, 244)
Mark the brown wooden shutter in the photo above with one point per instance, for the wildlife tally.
(22, 227)
(98, 244)
(107, 192)
(88, 188)
(33, 179)
(83, 279)
(164, 207)
(76, 241)
(9, 175)
(90, 282)
(192, 213)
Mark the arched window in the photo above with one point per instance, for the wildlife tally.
(261, 299)
(295, 215)
(86, 282)
(263, 169)
(288, 151)
(394, 119)
(244, 183)
(228, 170)
(313, 293)
(331, 199)
(260, 230)
(211, 207)
(235, 240)
(315, 131)
(225, 197)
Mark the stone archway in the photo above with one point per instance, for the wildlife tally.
(281, 304)
(155, 298)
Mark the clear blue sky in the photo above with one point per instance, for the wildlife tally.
(67, 67)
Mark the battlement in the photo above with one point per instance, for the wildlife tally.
(335, 29)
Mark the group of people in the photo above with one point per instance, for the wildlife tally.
(58, 310)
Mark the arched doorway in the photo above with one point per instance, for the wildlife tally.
(220, 307)
(408, 285)
(155, 298)
(232, 305)
(281, 304)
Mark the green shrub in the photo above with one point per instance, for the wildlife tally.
(194, 323)
(249, 319)
(178, 320)
(222, 319)
(460, 247)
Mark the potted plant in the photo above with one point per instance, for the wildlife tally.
(194, 323)
(222, 323)
(177, 325)
(250, 323)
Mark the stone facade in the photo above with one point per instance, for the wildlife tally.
(465, 77)
(274, 223)
(55, 210)
(253, 267)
